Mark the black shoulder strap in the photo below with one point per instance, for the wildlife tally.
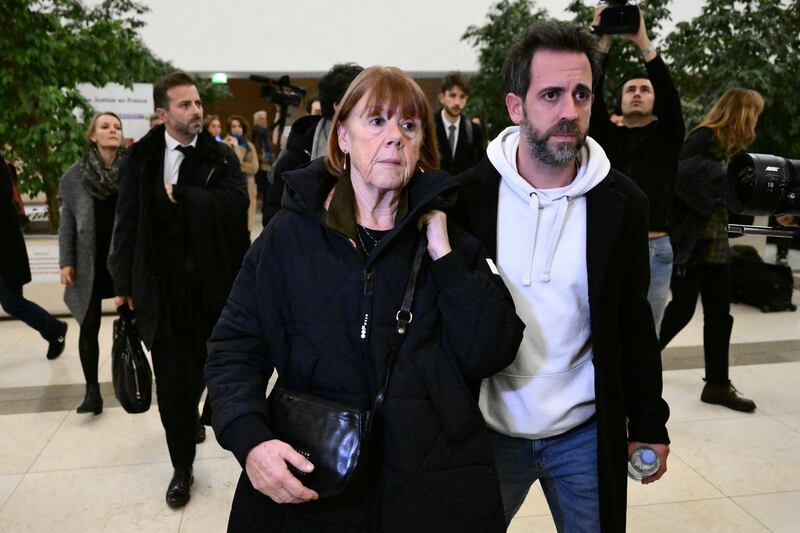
(404, 318)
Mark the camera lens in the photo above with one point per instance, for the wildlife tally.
(759, 184)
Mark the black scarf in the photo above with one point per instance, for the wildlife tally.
(101, 182)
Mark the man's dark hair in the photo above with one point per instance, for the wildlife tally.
(166, 83)
(333, 85)
(554, 35)
(454, 79)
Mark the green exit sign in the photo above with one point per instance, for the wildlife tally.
(219, 77)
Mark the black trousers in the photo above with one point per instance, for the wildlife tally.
(712, 282)
(88, 344)
(178, 363)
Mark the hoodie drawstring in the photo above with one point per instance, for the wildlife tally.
(555, 234)
(558, 224)
(533, 206)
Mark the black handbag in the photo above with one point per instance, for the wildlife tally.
(332, 435)
(130, 370)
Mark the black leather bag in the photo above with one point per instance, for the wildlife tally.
(335, 436)
(130, 370)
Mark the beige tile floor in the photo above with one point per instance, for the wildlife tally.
(60, 471)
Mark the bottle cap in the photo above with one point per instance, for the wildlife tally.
(648, 456)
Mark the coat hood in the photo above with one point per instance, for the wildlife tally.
(593, 168)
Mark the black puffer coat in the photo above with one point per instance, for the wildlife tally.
(297, 307)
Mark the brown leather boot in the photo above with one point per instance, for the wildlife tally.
(727, 395)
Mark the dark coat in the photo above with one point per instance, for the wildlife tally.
(469, 147)
(627, 360)
(215, 206)
(296, 154)
(648, 155)
(699, 191)
(297, 308)
(14, 267)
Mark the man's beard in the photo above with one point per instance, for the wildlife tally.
(565, 152)
(190, 128)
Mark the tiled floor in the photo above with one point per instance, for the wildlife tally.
(60, 471)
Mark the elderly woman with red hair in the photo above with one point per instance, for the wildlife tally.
(316, 302)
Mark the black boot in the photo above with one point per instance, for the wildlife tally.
(92, 402)
(178, 492)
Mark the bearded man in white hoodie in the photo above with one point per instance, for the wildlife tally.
(569, 237)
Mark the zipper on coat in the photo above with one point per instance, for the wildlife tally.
(366, 308)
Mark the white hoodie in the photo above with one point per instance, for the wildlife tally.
(541, 255)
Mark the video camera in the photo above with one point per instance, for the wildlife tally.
(760, 184)
(619, 17)
(281, 91)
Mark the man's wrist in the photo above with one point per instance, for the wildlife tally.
(648, 51)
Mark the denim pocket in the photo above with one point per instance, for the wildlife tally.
(661, 250)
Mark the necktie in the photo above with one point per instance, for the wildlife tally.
(185, 168)
(451, 138)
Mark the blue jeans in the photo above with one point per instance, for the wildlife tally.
(566, 466)
(660, 275)
(17, 306)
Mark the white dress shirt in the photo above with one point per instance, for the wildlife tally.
(173, 158)
(447, 125)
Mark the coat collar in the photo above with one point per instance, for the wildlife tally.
(307, 189)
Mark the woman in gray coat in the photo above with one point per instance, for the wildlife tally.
(89, 198)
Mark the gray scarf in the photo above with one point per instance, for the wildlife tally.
(101, 182)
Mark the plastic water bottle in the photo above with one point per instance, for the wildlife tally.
(644, 461)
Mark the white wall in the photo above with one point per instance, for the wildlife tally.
(308, 36)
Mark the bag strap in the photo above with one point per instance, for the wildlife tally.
(404, 318)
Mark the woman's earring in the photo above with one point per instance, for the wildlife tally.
(421, 170)
(346, 157)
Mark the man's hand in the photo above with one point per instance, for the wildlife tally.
(266, 467)
(788, 220)
(605, 40)
(67, 275)
(122, 300)
(662, 451)
(168, 188)
(641, 40)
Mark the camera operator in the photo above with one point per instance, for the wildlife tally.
(645, 146)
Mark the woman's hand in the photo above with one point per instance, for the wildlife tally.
(68, 275)
(435, 223)
(266, 467)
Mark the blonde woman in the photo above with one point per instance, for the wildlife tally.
(89, 199)
(700, 237)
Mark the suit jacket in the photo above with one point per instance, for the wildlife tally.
(214, 204)
(467, 153)
(627, 359)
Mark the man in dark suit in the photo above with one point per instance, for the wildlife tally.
(569, 237)
(179, 239)
(460, 141)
